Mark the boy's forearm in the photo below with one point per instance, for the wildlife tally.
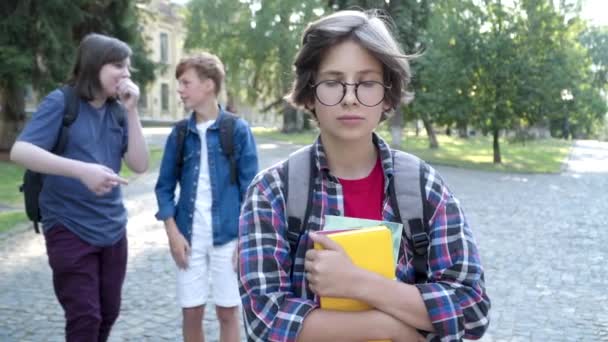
(137, 152)
(327, 325)
(400, 300)
(37, 159)
(171, 226)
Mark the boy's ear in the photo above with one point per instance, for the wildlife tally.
(386, 106)
(209, 85)
(310, 104)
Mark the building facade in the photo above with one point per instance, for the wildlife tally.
(162, 25)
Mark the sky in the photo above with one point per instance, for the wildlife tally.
(595, 11)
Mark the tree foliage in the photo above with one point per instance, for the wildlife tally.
(38, 46)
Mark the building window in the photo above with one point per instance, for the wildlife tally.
(164, 96)
(143, 98)
(164, 48)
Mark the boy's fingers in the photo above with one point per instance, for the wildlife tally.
(120, 180)
(326, 242)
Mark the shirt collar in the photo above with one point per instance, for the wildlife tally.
(192, 119)
(386, 157)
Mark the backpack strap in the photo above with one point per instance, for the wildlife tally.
(227, 123)
(298, 187)
(70, 113)
(182, 130)
(409, 208)
(32, 181)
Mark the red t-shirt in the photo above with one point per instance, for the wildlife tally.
(363, 197)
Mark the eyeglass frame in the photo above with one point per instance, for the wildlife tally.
(344, 89)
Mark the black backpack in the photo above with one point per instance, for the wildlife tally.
(226, 123)
(405, 191)
(32, 181)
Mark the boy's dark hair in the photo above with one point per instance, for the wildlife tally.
(206, 65)
(95, 51)
(369, 30)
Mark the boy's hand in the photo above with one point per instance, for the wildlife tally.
(180, 249)
(100, 179)
(128, 93)
(330, 271)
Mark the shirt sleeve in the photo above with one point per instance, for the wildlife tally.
(271, 311)
(247, 157)
(455, 295)
(43, 128)
(167, 179)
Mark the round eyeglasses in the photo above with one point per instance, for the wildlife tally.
(332, 92)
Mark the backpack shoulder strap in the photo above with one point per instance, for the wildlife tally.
(406, 191)
(227, 124)
(70, 113)
(182, 130)
(299, 186)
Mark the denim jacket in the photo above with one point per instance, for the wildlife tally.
(226, 197)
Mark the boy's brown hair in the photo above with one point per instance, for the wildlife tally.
(95, 51)
(371, 31)
(206, 65)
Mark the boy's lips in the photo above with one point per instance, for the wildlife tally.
(350, 117)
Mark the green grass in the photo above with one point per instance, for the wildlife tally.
(11, 177)
(10, 219)
(536, 156)
(156, 155)
(304, 138)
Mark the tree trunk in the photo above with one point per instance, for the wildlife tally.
(231, 102)
(12, 115)
(290, 118)
(306, 117)
(463, 130)
(430, 132)
(496, 146)
(396, 123)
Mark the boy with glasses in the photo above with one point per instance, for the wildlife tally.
(349, 73)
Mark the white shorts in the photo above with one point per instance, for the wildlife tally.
(207, 263)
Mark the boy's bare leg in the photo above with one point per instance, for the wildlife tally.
(229, 323)
(192, 327)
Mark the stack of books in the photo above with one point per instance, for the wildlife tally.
(368, 248)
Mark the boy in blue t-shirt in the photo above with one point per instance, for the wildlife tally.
(83, 215)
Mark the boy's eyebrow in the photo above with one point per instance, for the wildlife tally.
(340, 74)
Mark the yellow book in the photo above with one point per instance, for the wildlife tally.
(369, 248)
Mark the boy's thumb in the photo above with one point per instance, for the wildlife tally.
(326, 242)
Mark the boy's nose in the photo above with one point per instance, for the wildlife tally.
(350, 97)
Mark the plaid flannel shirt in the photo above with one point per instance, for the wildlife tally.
(274, 293)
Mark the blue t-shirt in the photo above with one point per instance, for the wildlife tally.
(94, 137)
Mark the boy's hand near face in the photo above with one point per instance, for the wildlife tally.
(128, 94)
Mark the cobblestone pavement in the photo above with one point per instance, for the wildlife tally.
(542, 239)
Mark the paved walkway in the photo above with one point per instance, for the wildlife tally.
(542, 239)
